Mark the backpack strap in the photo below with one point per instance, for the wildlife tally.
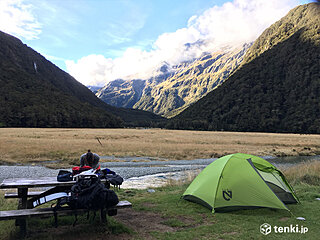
(58, 205)
(103, 214)
(94, 215)
(75, 214)
(75, 218)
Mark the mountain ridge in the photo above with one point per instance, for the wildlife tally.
(275, 90)
(176, 87)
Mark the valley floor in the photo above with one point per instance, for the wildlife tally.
(62, 147)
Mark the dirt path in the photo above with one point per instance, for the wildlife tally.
(143, 223)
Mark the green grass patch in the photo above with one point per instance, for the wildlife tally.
(192, 221)
(182, 219)
(7, 228)
(173, 222)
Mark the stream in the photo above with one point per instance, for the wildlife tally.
(145, 172)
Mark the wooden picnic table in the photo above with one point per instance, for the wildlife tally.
(23, 185)
(33, 182)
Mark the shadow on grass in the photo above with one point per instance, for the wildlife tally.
(85, 228)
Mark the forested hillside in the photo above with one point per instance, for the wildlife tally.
(36, 93)
(277, 89)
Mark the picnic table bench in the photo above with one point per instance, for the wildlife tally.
(26, 208)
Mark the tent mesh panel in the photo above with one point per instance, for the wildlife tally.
(285, 197)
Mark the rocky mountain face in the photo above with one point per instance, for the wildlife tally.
(121, 93)
(173, 89)
(190, 82)
(126, 93)
(36, 93)
(277, 87)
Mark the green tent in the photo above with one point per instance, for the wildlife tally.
(240, 181)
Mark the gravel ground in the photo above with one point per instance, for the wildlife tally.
(124, 169)
(130, 167)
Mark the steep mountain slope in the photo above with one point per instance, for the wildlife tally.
(121, 93)
(303, 17)
(126, 93)
(277, 89)
(191, 82)
(36, 93)
(172, 89)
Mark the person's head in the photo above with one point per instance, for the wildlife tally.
(89, 157)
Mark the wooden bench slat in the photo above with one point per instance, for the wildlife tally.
(15, 194)
(47, 212)
(35, 182)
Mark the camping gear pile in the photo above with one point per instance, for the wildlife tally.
(88, 192)
(111, 177)
(240, 181)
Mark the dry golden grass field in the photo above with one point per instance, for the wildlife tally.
(35, 145)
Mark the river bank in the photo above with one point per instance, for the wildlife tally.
(145, 172)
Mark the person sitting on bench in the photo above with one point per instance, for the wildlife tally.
(89, 159)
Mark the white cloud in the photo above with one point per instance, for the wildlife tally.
(16, 18)
(91, 70)
(230, 24)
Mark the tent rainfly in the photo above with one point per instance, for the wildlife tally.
(240, 181)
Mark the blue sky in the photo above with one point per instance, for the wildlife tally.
(97, 41)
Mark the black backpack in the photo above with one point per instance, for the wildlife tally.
(91, 194)
(114, 179)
